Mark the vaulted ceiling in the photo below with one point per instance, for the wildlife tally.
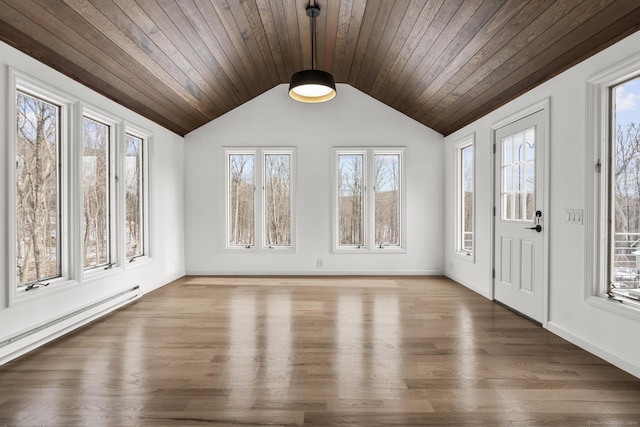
(444, 63)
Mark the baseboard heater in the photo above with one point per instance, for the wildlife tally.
(26, 341)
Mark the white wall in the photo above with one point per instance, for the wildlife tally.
(166, 200)
(571, 316)
(351, 119)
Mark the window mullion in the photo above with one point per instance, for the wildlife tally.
(73, 198)
(258, 200)
(114, 192)
(119, 194)
(367, 219)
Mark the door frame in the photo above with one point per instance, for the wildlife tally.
(544, 106)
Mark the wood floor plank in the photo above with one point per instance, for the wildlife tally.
(318, 351)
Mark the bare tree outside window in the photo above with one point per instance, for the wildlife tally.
(38, 192)
(278, 200)
(134, 198)
(625, 197)
(242, 200)
(351, 200)
(95, 165)
(387, 199)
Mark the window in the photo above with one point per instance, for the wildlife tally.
(612, 218)
(624, 196)
(134, 196)
(518, 176)
(242, 200)
(97, 188)
(68, 216)
(38, 190)
(465, 197)
(386, 196)
(351, 199)
(277, 199)
(369, 199)
(268, 213)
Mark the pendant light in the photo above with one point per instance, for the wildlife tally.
(312, 85)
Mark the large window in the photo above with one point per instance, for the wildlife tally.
(612, 218)
(465, 191)
(77, 200)
(38, 193)
(624, 195)
(265, 217)
(97, 187)
(368, 199)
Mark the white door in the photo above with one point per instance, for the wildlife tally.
(519, 229)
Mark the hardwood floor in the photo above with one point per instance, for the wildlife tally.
(315, 352)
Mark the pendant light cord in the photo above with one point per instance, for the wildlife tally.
(313, 37)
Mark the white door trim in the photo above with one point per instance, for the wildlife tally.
(545, 106)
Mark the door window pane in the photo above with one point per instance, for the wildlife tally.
(518, 176)
(38, 191)
(95, 215)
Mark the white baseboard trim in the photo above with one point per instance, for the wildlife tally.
(23, 342)
(485, 293)
(146, 288)
(26, 341)
(316, 273)
(623, 364)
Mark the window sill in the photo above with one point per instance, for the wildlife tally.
(370, 251)
(630, 310)
(255, 250)
(137, 262)
(23, 296)
(466, 256)
(100, 272)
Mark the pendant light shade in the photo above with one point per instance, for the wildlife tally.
(312, 86)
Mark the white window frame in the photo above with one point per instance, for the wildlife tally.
(369, 154)
(365, 201)
(264, 153)
(19, 81)
(147, 187)
(259, 155)
(597, 172)
(72, 111)
(468, 141)
(227, 182)
(115, 126)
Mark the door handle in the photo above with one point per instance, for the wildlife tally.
(538, 228)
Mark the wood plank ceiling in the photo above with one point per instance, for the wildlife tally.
(443, 63)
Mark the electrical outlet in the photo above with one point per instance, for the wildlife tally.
(319, 262)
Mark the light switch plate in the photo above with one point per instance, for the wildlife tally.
(573, 216)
